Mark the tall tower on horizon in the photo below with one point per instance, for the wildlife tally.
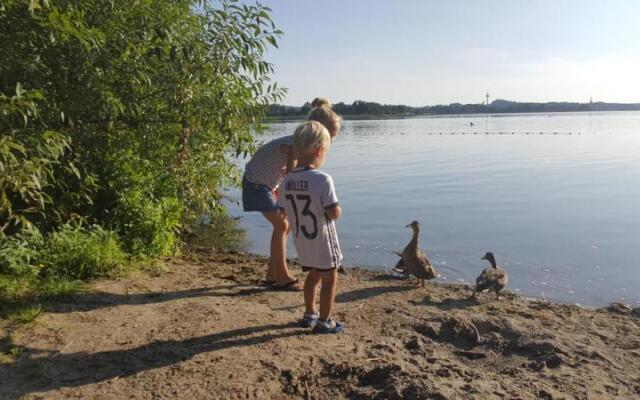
(487, 98)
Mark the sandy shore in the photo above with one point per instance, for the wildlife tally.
(206, 329)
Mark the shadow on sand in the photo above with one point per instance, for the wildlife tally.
(77, 369)
(365, 293)
(448, 303)
(356, 295)
(95, 300)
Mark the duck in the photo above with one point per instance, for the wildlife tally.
(492, 278)
(415, 261)
(399, 267)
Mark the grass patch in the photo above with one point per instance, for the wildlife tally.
(52, 288)
(19, 300)
(15, 352)
(26, 313)
(21, 312)
(8, 351)
(156, 267)
(34, 266)
(76, 253)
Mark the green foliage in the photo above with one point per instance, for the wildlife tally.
(54, 264)
(13, 288)
(173, 87)
(76, 253)
(27, 166)
(122, 117)
(20, 254)
(25, 315)
(55, 287)
(144, 206)
(118, 127)
(151, 227)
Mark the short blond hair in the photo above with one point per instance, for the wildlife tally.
(309, 136)
(322, 111)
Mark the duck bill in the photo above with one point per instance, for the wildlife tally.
(484, 258)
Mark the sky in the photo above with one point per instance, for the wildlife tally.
(426, 52)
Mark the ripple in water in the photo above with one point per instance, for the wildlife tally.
(560, 211)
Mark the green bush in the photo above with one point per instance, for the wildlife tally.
(20, 254)
(150, 228)
(78, 253)
(13, 288)
(104, 108)
(142, 205)
(54, 264)
(125, 118)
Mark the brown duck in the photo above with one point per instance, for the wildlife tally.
(492, 278)
(415, 261)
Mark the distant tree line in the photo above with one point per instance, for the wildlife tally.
(368, 108)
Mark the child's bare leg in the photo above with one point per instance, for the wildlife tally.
(271, 271)
(311, 291)
(278, 248)
(327, 292)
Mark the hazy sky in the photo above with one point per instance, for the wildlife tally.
(425, 52)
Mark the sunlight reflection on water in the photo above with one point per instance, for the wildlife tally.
(560, 211)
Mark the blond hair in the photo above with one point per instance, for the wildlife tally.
(322, 111)
(309, 136)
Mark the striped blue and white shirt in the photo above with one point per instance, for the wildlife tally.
(305, 195)
(268, 166)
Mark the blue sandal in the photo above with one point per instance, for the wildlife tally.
(309, 320)
(328, 326)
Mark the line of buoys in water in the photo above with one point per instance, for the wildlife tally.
(503, 133)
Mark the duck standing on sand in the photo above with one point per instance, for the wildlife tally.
(415, 261)
(492, 278)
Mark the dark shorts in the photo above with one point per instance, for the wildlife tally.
(256, 197)
(307, 269)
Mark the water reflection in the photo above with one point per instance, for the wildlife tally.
(560, 211)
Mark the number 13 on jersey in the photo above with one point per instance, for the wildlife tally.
(303, 217)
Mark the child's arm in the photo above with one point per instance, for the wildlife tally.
(291, 157)
(329, 200)
(333, 212)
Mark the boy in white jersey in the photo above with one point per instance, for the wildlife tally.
(308, 197)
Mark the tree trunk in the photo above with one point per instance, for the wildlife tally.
(184, 141)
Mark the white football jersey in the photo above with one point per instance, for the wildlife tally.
(305, 194)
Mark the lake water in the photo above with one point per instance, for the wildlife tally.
(561, 210)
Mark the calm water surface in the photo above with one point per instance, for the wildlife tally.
(561, 211)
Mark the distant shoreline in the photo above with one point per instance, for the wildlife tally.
(356, 117)
(360, 109)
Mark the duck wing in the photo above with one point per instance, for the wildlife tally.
(399, 265)
(491, 279)
(424, 269)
